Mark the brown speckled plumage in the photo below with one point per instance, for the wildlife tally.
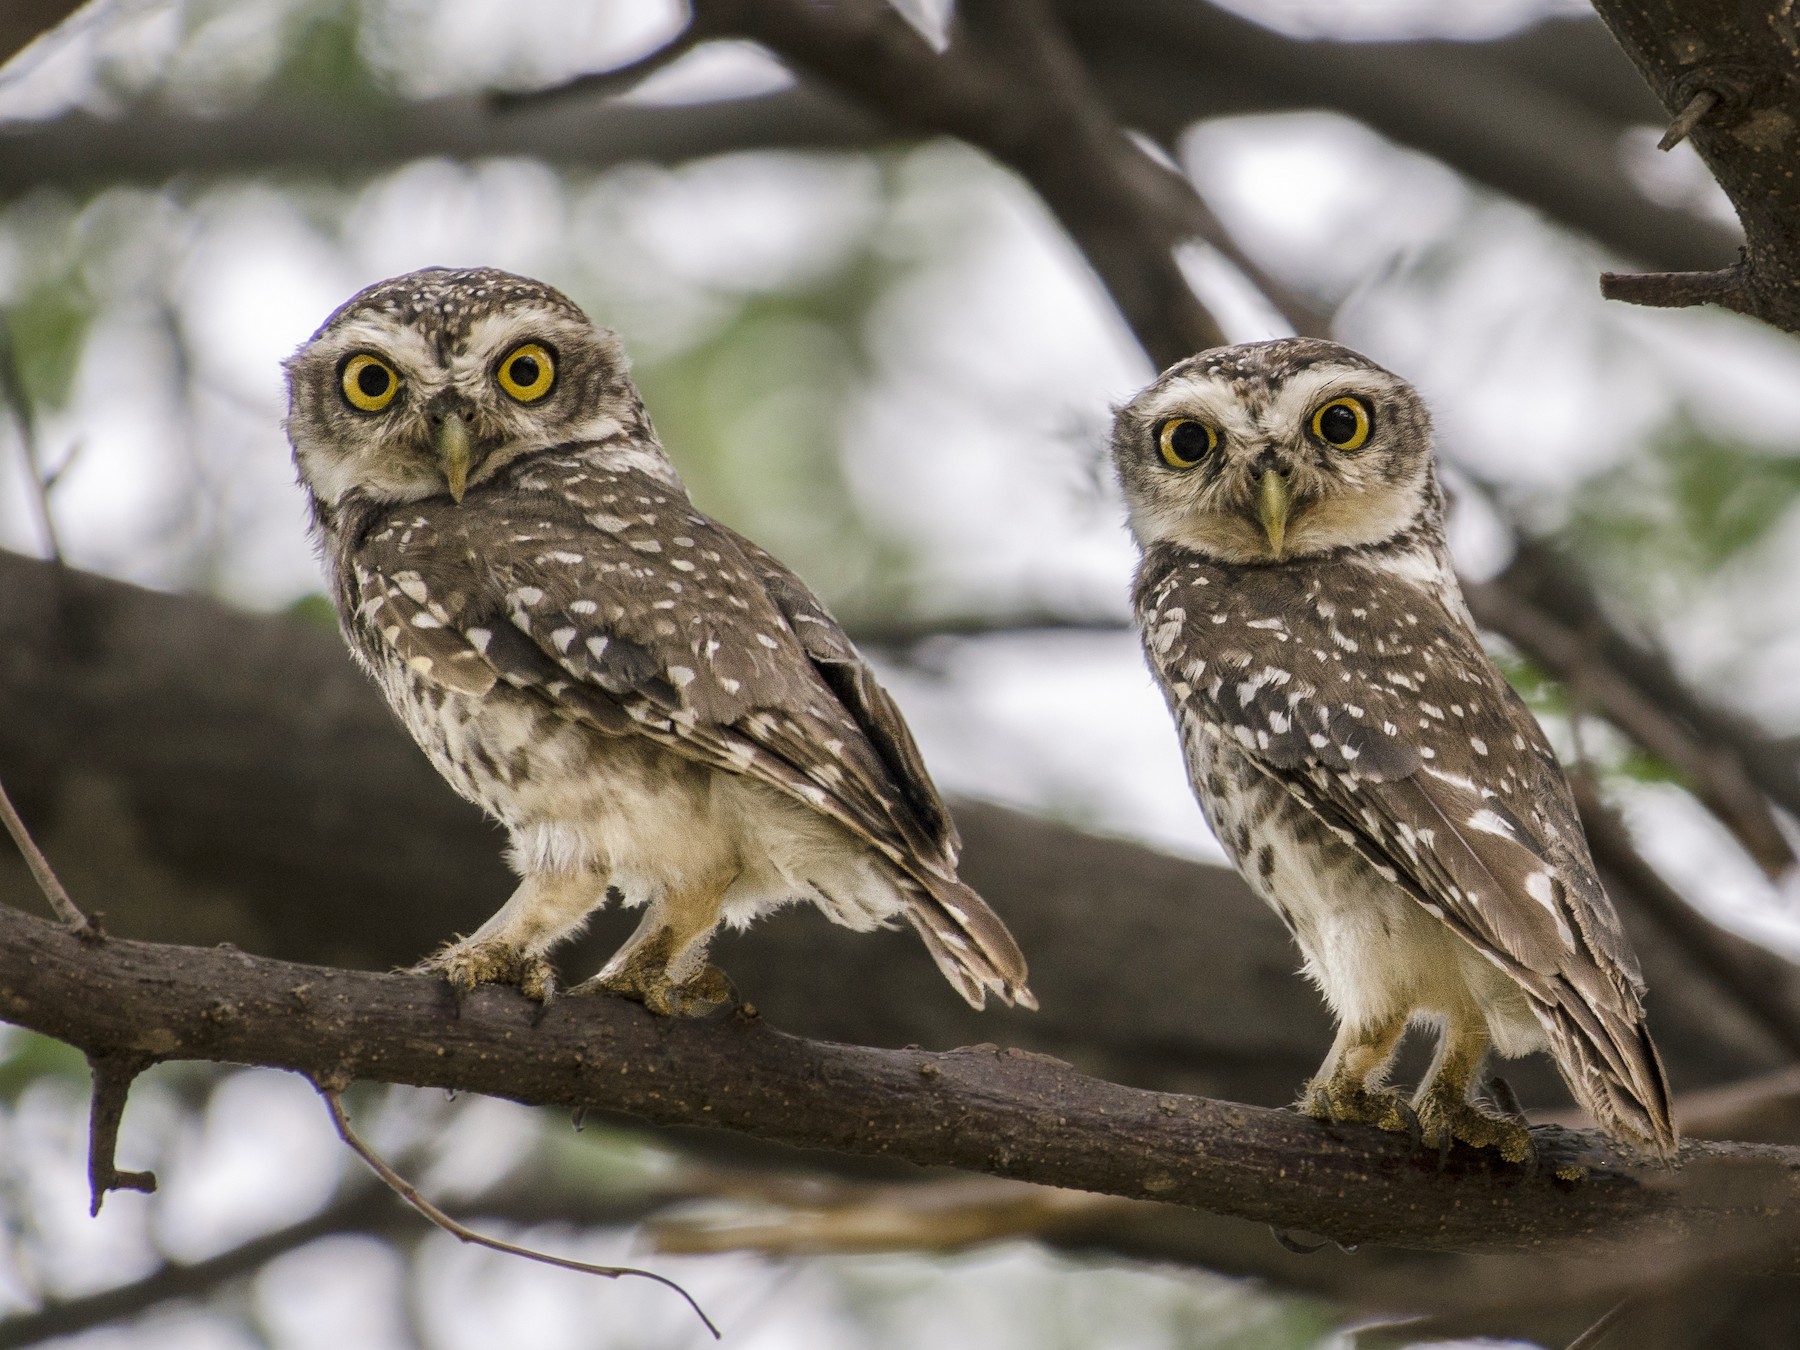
(1362, 761)
(655, 708)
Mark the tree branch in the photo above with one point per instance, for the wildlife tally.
(23, 22)
(1748, 132)
(1004, 1112)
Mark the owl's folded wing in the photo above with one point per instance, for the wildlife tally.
(595, 622)
(1412, 803)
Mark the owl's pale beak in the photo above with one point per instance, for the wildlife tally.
(453, 449)
(1274, 501)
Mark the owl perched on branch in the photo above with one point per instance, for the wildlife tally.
(658, 711)
(1372, 775)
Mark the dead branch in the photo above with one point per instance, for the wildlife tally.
(113, 1073)
(41, 871)
(1725, 72)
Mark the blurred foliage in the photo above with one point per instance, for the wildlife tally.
(1554, 704)
(26, 1058)
(1665, 521)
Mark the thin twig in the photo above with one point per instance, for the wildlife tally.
(113, 1076)
(461, 1232)
(1599, 1331)
(12, 387)
(1703, 102)
(41, 872)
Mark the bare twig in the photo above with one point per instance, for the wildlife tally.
(113, 1073)
(1729, 288)
(41, 871)
(1602, 1328)
(1703, 102)
(333, 1095)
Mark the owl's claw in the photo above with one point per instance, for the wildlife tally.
(701, 993)
(1352, 1103)
(464, 965)
(1448, 1121)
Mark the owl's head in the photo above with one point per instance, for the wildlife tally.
(432, 382)
(1275, 450)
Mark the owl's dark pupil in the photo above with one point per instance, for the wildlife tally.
(1338, 424)
(1189, 441)
(372, 380)
(525, 371)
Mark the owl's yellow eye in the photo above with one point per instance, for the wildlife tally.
(1343, 422)
(527, 372)
(369, 382)
(1185, 442)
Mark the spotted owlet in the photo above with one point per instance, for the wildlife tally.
(1371, 774)
(657, 711)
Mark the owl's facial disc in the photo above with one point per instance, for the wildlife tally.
(431, 384)
(1273, 451)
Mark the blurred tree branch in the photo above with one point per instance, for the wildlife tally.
(22, 22)
(1539, 115)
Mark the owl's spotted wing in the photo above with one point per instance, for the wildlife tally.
(1377, 710)
(600, 589)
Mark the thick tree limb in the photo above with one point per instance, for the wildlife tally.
(1003, 1112)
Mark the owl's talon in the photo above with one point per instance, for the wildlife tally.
(1449, 1121)
(1349, 1103)
(465, 965)
(701, 993)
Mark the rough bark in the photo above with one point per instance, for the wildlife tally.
(1737, 67)
(1005, 1112)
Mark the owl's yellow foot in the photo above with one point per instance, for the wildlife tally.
(695, 996)
(1349, 1102)
(466, 964)
(1447, 1119)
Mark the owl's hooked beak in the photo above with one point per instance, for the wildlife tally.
(1274, 502)
(454, 452)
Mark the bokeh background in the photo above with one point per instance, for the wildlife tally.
(886, 363)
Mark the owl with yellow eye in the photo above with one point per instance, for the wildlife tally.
(1368, 770)
(659, 713)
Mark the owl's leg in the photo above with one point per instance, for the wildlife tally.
(512, 947)
(1444, 1101)
(1351, 1087)
(664, 964)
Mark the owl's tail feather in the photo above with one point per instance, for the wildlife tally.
(1611, 1065)
(968, 941)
